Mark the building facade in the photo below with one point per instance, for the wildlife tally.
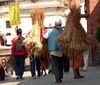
(93, 11)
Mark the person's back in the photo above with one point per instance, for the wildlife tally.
(52, 42)
(14, 46)
(55, 51)
(19, 54)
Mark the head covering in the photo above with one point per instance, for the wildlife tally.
(58, 22)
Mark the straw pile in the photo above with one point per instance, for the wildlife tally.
(33, 39)
(45, 62)
(73, 40)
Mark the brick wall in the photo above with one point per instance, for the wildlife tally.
(93, 9)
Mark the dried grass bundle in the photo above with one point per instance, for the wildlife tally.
(74, 40)
(44, 52)
(33, 40)
(37, 16)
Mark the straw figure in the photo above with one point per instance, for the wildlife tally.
(74, 40)
(33, 39)
(74, 35)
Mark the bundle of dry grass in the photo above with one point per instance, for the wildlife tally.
(74, 40)
(37, 16)
(45, 62)
(33, 40)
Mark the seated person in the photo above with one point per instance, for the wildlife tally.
(2, 73)
(1, 41)
(7, 68)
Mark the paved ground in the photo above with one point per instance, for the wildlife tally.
(92, 77)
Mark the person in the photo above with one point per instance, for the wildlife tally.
(7, 68)
(76, 63)
(86, 55)
(35, 65)
(19, 51)
(55, 51)
(8, 39)
(50, 69)
(66, 64)
(2, 43)
(2, 73)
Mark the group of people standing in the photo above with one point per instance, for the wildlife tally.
(56, 55)
(58, 60)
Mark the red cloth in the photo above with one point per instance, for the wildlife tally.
(76, 62)
(2, 42)
(23, 52)
(1, 79)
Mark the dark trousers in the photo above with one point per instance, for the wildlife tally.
(2, 73)
(20, 62)
(57, 66)
(66, 64)
(34, 65)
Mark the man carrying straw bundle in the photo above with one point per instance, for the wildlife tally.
(55, 51)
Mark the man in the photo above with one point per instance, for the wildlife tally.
(55, 51)
(19, 52)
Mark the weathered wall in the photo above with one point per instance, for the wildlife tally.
(93, 9)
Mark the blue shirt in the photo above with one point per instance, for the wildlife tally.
(52, 42)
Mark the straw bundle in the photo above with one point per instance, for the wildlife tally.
(73, 40)
(33, 40)
(37, 16)
(45, 62)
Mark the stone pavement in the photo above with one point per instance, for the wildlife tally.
(92, 77)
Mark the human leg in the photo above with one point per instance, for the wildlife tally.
(60, 65)
(38, 66)
(65, 64)
(32, 66)
(86, 54)
(55, 68)
(77, 73)
(21, 66)
(17, 64)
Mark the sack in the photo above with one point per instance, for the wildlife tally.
(19, 46)
(2, 73)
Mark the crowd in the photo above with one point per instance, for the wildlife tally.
(59, 63)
